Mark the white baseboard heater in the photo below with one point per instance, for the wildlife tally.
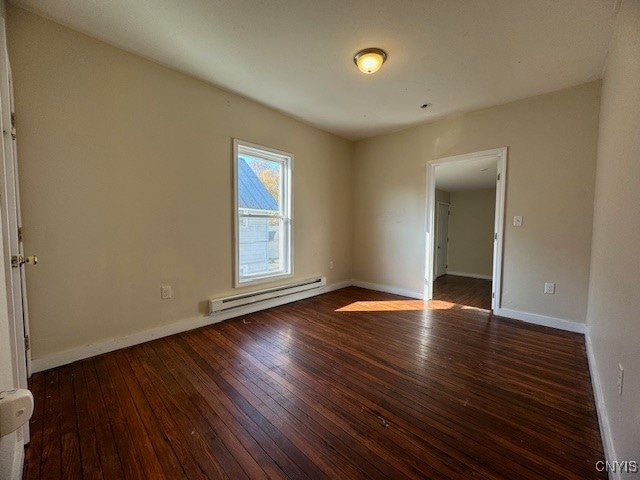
(282, 293)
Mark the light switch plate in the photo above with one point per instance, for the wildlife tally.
(517, 221)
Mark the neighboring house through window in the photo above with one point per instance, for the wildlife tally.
(262, 213)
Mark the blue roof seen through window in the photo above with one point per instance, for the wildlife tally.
(252, 194)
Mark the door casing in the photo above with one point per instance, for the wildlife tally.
(498, 244)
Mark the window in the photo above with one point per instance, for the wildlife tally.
(262, 213)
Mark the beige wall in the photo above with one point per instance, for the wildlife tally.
(442, 196)
(550, 180)
(127, 184)
(614, 304)
(471, 226)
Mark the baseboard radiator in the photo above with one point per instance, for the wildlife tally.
(228, 304)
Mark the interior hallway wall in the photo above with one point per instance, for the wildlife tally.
(471, 228)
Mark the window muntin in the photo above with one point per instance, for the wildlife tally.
(262, 213)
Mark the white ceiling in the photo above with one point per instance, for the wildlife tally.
(467, 175)
(297, 55)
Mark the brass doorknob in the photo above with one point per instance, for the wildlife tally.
(17, 260)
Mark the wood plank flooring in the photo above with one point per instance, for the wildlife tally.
(348, 385)
(473, 292)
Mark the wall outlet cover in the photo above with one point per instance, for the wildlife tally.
(165, 292)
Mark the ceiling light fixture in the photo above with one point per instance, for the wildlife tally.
(370, 60)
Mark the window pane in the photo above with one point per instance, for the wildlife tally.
(261, 246)
(276, 245)
(260, 185)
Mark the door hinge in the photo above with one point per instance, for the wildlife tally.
(495, 236)
(27, 343)
(19, 234)
(493, 294)
(498, 176)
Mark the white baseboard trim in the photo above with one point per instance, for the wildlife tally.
(603, 417)
(469, 275)
(91, 350)
(387, 289)
(79, 353)
(552, 322)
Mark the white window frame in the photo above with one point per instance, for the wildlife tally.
(286, 159)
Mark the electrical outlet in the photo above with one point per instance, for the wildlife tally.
(165, 292)
(550, 288)
(620, 378)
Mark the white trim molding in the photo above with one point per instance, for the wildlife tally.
(603, 417)
(559, 323)
(91, 350)
(388, 289)
(470, 275)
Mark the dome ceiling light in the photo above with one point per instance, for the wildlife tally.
(370, 60)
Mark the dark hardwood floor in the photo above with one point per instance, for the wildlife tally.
(352, 384)
(473, 292)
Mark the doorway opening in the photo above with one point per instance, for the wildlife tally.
(465, 222)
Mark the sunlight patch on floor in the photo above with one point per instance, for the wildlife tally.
(384, 306)
(401, 306)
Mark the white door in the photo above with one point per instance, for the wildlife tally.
(442, 238)
(12, 231)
